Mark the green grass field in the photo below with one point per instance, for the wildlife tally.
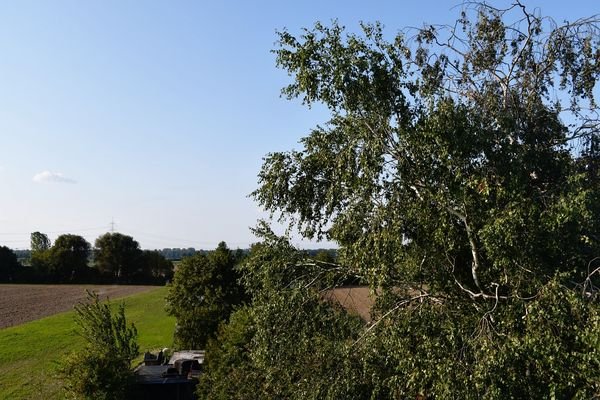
(30, 353)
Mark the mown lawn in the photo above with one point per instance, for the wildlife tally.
(30, 353)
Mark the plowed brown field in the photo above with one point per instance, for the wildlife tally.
(23, 303)
(355, 299)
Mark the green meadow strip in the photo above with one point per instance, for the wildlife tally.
(30, 353)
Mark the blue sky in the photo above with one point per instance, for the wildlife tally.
(157, 113)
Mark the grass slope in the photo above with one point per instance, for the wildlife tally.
(30, 353)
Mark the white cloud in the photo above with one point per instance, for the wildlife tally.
(51, 177)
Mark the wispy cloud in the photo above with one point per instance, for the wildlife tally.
(52, 177)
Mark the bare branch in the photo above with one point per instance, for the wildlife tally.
(588, 280)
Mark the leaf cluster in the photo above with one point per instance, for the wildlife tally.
(102, 369)
(203, 293)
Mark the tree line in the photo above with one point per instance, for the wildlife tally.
(177, 253)
(172, 254)
(115, 258)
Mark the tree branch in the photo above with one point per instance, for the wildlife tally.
(396, 307)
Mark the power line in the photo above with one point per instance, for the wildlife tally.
(155, 239)
(55, 232)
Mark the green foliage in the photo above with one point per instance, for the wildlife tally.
(9, 265)
(156, 266)
(393, 180)
(203, 293)
(455, 189)
(451, 350)
(552, 352)
(440, 160)
(118, 255)
(302, 346)
(65, 261)
(117, 258)
(289, 343)
(39, 242)
(229, 372)
(102, 369)
(40, 253)
(69, 258)
(325, 256)
(41, 262)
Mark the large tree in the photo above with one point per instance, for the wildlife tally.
(155, 267)
(9, 265)
(453, 175)
(202, 295)
(68, 258)
(118, 255)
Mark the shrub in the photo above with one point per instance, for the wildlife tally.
(101, 370)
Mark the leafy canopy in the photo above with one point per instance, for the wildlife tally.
(9, 265)
(117, 254)
(202, 295)
(68, 258)
(448, 159)
(458, 174)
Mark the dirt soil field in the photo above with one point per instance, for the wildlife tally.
(23, 303)
(355, 299)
